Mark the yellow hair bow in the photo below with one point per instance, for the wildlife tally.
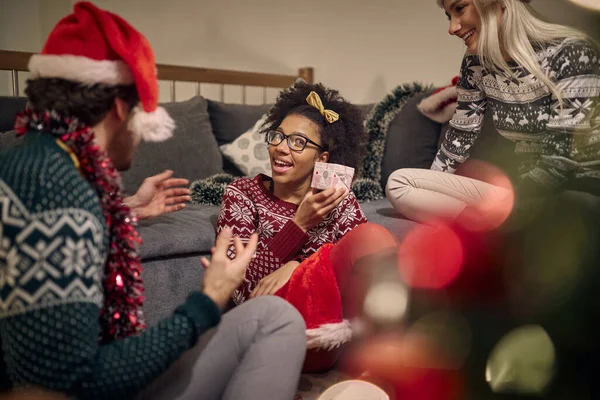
(314, 100)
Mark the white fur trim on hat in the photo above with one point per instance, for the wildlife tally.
(431, 106)
(329, 336)
(80, 69)
(432, 103)
(154, 126)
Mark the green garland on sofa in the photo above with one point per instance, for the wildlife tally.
(378, 122)
(210, 190)
(366, 187)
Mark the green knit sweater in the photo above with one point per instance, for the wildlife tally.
(53, 246)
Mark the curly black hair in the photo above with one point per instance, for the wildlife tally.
(88, 103)
(344, 139)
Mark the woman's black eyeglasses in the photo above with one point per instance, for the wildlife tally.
(294, 141)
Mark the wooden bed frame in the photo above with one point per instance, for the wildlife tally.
(16, 61)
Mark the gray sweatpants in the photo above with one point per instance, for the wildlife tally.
(256, 352)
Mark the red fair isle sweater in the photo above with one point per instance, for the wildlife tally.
(248, 207)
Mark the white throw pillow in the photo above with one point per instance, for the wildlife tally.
(249, 151)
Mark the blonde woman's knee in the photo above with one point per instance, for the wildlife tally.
(398, 185)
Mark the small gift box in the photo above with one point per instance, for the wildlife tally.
(326, 175)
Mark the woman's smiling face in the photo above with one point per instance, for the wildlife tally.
(465, 22)
(290, 166)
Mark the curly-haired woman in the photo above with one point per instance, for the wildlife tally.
(310, 242)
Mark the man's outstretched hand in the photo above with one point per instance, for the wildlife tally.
(159, 194)
(223, 275)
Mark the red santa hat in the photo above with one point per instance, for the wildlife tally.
(313, 290)
(441, 104)
(95, 46)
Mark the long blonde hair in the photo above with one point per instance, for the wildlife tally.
(520, 29)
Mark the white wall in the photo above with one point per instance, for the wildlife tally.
(564, 12)
(363, 48)
(51, 11)
(13, 15)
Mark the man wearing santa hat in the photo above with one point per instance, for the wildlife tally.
(70, 274)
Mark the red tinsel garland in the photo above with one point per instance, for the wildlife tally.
(121, 315)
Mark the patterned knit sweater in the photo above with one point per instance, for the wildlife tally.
(53, 246)
(555, 144)
(249, 207)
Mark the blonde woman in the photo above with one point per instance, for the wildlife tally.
(541, 82)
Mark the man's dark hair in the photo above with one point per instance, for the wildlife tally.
(345, 139)
(88, 103)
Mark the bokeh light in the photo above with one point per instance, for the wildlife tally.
(386, 302)
(496, 207)
(32, 394)
(395, 356)
(550, 265)
(523, 362)
(449, 333)
(430, 257)
(354, 390)
(408, 362)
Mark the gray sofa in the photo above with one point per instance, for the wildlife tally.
(173, 243)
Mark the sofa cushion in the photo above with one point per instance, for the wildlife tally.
(9, 139)
(193, 229)
(167, 283)
(192, 152)
(249, 152)
(231, 120)
(382, 213)
(9, 107)
(412, 139)
(189, 231)
(365, 109)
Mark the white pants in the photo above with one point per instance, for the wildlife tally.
(424, 195)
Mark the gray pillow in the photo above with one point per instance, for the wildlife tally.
(9, 139)
(9, 107)
(192, 152)
(412, 139)
(231, 120)
(365, 109)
